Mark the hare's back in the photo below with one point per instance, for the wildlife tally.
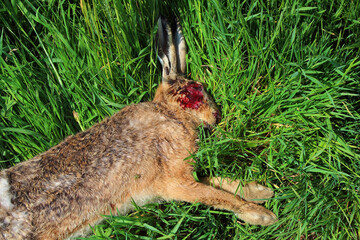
(134, 142)
(105, 165)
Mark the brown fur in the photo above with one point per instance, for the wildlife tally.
(136, 154)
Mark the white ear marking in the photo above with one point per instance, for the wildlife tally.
(180, 49)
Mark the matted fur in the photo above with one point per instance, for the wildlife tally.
(136, 154)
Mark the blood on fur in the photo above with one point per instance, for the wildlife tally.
(191, 96)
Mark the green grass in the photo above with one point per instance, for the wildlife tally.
(286, 74)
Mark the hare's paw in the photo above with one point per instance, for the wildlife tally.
(256, 215)
(256, 193)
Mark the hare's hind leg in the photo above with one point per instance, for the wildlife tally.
(192, 191)
(252, 192)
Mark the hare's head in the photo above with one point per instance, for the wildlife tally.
(175, 89)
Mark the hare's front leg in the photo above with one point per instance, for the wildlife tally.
(252, 192)
(192, 191)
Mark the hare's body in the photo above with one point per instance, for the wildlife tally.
(101, 170)
(136, 154)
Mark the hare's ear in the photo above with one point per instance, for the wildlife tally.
(171, 48)
(180, 49)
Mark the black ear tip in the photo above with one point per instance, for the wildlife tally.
(172, 21)
(162, 17)
(176, 19)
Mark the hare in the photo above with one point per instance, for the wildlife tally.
(137, 154)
